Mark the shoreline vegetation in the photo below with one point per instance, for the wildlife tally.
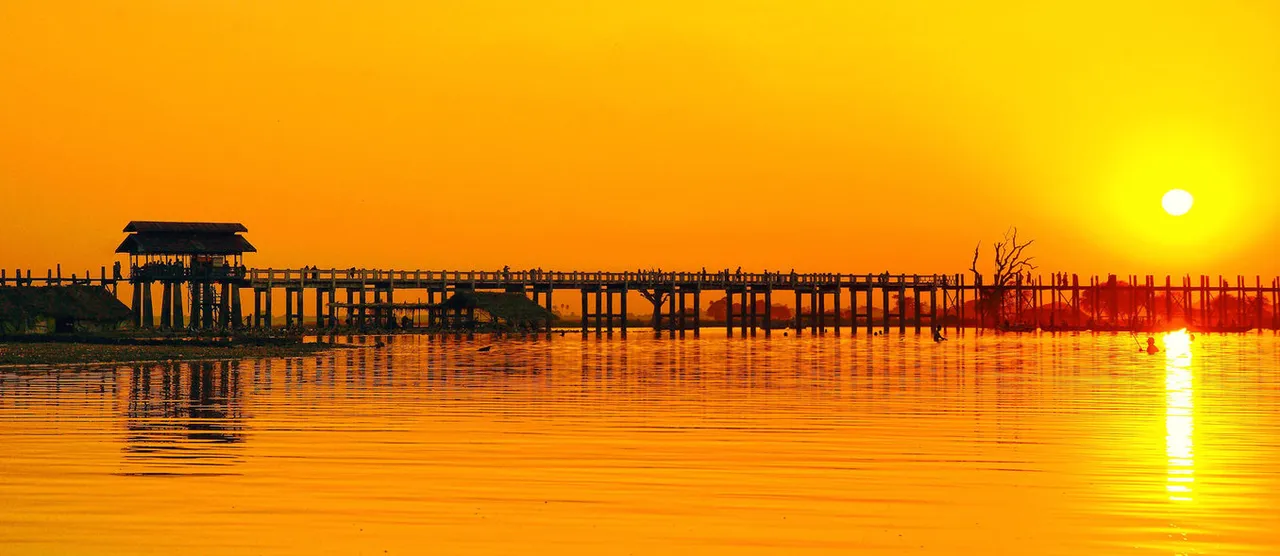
(51, 353)
(33, 350)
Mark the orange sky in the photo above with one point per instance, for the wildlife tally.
(820, 136)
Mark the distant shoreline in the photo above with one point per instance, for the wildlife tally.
(52, 353)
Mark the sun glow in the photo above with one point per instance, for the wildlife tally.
(1177, 202)
(1177, 343)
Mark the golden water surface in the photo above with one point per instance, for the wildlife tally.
(1014, 444)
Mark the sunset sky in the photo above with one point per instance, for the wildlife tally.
(834, 136)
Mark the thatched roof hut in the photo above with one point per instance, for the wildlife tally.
(510, 308)
(67, 306)
(185, 238)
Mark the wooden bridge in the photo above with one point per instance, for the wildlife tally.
(675, 296)
(818, 300)
(1058, 303)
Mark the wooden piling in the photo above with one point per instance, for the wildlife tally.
(166, 305)
(933, 304)
(697, 311)
(768, 311)
(266, 311)
(622, 299)
(608, 296)
(176, 320)
(584, 312)
(915, 290)
(320, 313)
(902, 298)
(207, 296)
(137, 305)
(232, 302)
(599, 311)
(148, 315)
(884, 290)
(835, 300)
(799, 316)
(224, 306)
(814, 310)
(681, 321)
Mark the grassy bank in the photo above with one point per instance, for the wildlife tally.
(80, 353)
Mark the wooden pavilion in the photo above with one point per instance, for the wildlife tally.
(205, 257)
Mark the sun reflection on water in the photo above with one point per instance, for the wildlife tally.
(1179, 416)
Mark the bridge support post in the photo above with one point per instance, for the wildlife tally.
(754, 313)
(884, 291)
(176, 303)
(814, 311)
(237, 315)
(799, 314)
(742, 315)
(196, 304)
(608, 300)
(266, 308)
(257, 308)
(697, 312)
(835, 298)
(224, 309)
(546, 301)
(768, 311)
(320, 313)
(671, 312)
(364, 309)
(681, 320)
(822, 312)
(599, 313)
(902, 298)
(584, 313)
(148, 313)
(916, 312)
(166, 305)
(351, 312)
(137, 305)
(933, 303)
(208, 306)
(288, 308)
(728, 313)
(622, 300)
(853, 309)
(333, 311)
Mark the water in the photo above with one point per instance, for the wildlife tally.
(981, 445)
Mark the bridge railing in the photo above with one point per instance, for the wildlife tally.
(317, 276)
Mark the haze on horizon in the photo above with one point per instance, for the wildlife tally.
(567, 135)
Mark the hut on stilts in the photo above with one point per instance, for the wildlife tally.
(61, 309)
(468, 310)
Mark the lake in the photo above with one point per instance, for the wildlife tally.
(985, 444)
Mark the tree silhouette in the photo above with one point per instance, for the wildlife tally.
(906, 304)
(1009, 261)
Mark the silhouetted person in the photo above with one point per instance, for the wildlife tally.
(937, 334)
(1151, 346)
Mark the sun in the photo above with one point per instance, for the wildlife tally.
(1177, 202)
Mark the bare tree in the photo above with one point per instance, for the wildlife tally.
(1010, 261)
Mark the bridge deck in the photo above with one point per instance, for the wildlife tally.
(478, 279)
